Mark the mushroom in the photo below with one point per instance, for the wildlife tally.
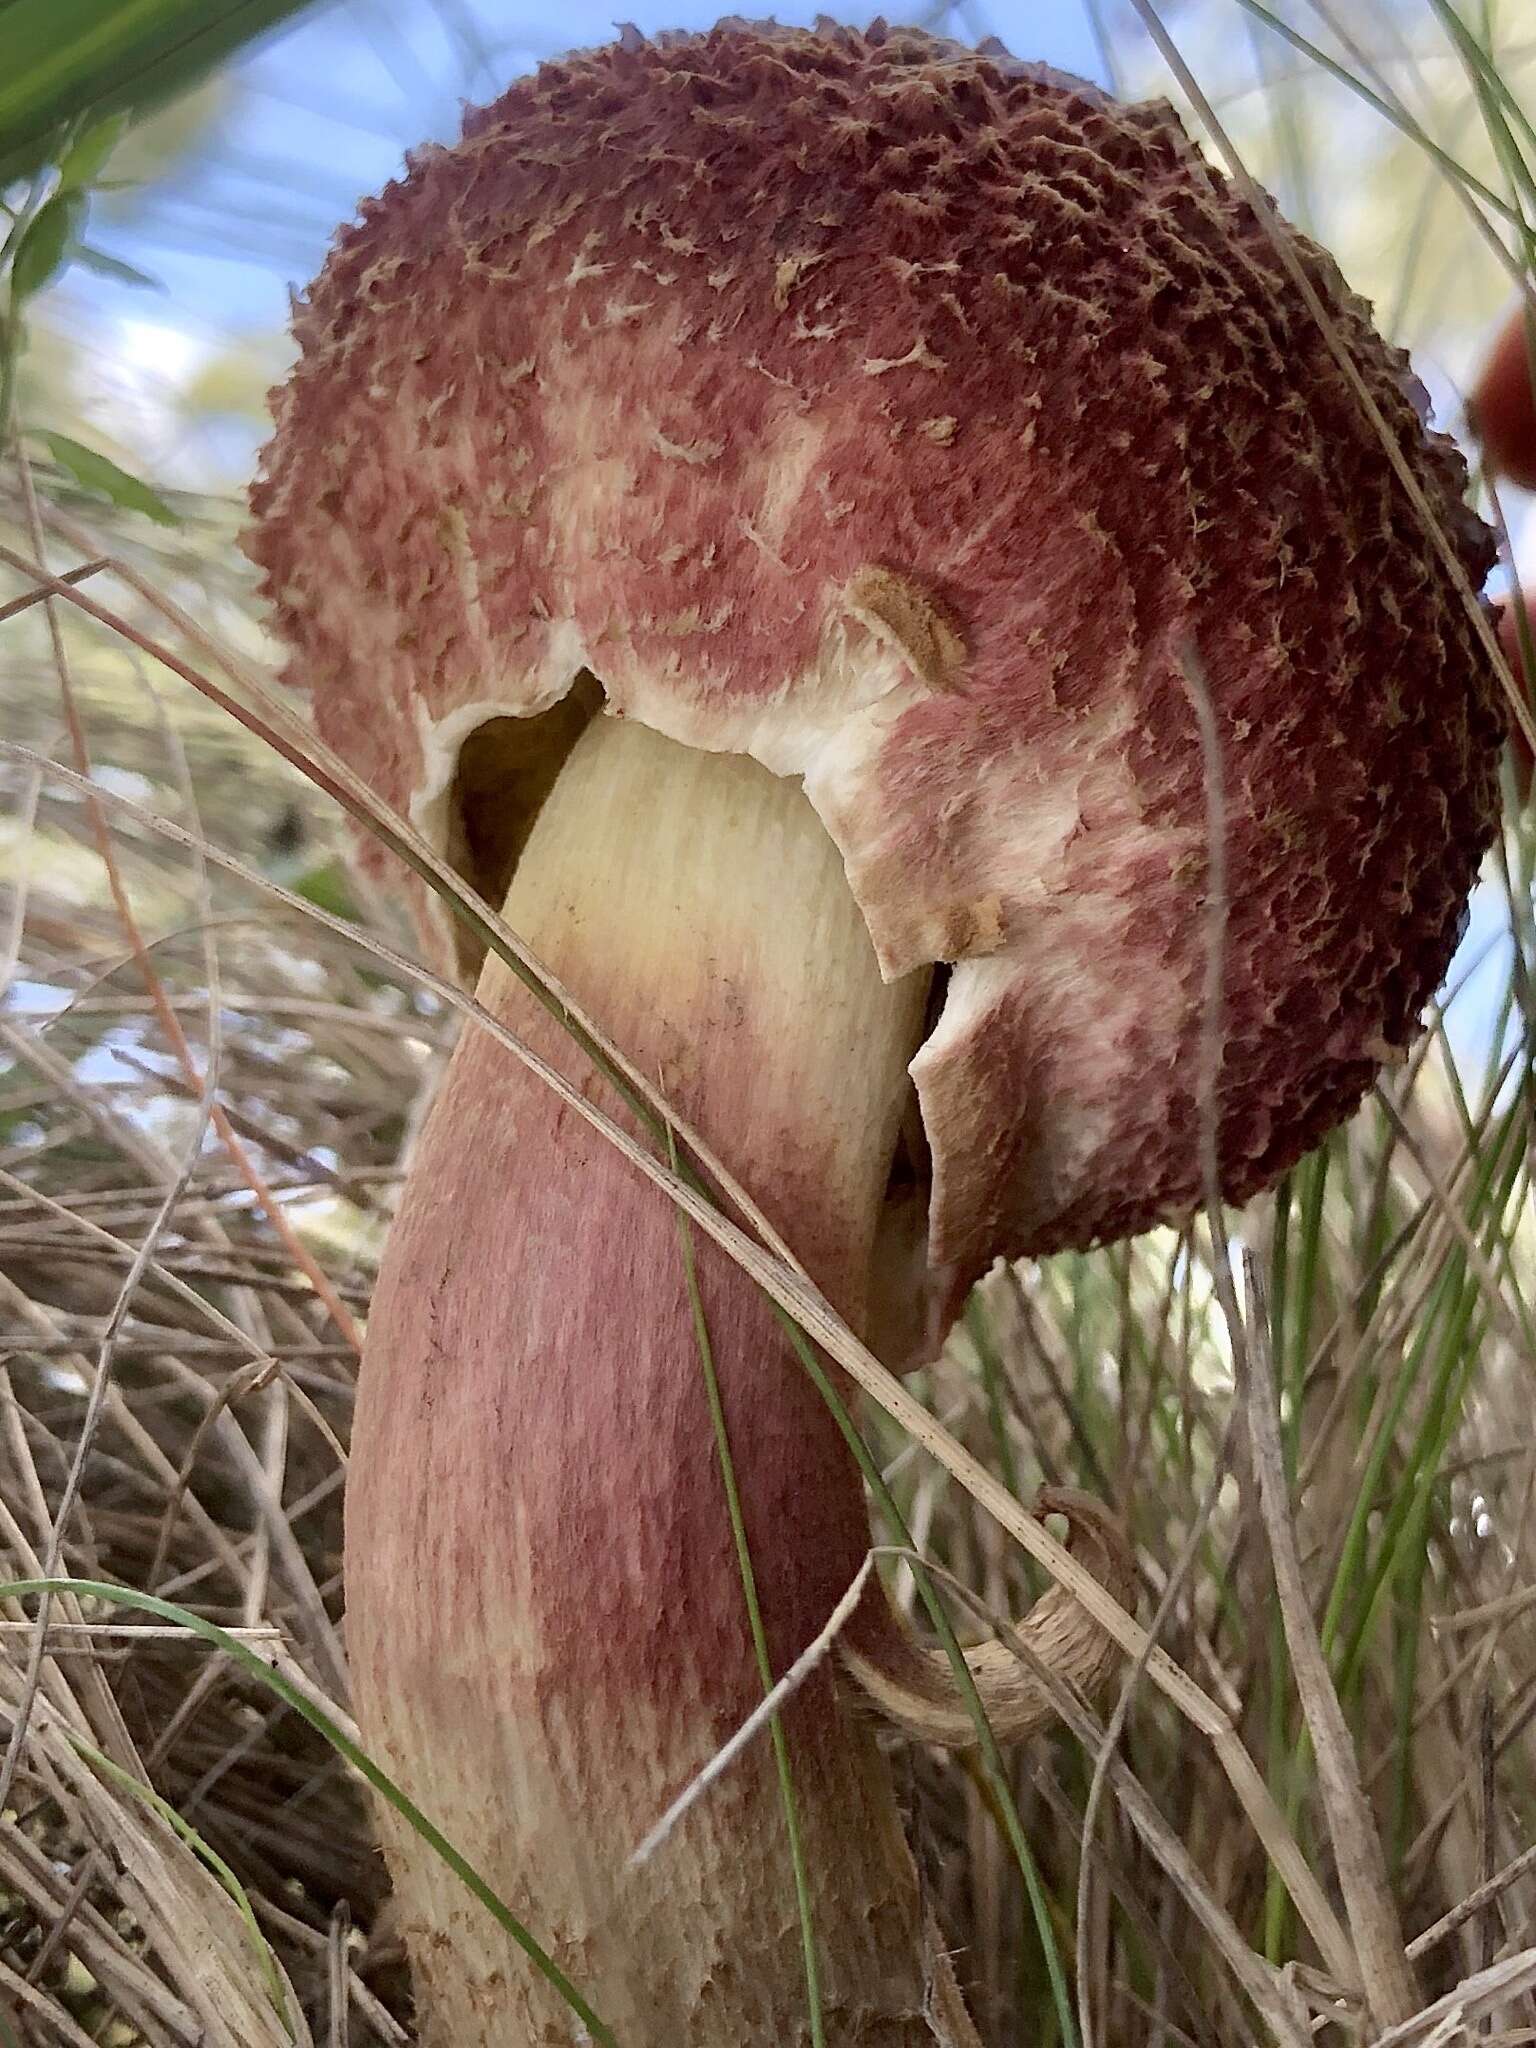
(761, 502)
(1502, 408)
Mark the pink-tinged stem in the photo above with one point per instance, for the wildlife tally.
(546, 1618)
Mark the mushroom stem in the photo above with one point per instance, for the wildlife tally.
(545, 1613)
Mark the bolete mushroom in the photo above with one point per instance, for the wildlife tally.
(1502, 410)
(1503, 406)
(759, 501)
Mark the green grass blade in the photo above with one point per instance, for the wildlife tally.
(146, 1795)
(96, 472)
(802, 1878)
(994, 1771)
(979, 1325)
(65, 60)
(342, 1743)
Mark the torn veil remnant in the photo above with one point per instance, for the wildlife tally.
(750, 501)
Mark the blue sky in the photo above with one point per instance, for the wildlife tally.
(327, 106)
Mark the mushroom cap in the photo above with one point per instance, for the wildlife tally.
(1513, 639)
(1503, 405)
(918, 421)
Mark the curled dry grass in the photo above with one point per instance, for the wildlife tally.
(1313, 1814)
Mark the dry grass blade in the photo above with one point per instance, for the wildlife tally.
(1451, 2019)
(1386, 1974)
(189, 1920)
(339, 2029)
(48, 588)
(1264, 1987)
(815, 1653)
(1474, 1903)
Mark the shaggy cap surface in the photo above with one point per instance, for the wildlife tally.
(917, 422)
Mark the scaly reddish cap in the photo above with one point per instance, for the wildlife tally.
(907, 417)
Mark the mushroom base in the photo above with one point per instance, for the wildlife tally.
(546, 1618)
